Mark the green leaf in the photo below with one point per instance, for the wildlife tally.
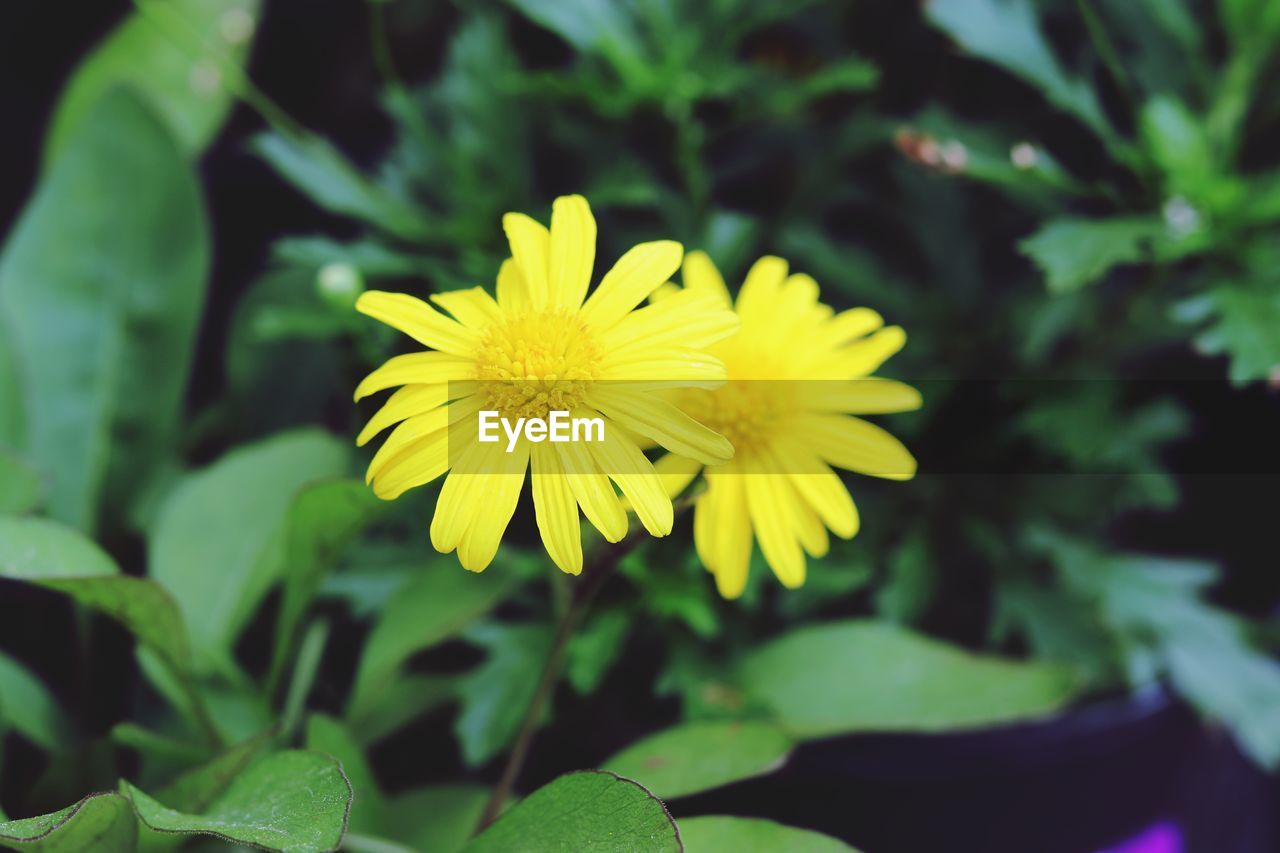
(1075, 252)
(175, 56)
(104, 335)
(98, 822)
(595, 647)
(27, 707)
(858, 676)
(696, 757)
(20, 486)
(330, 180)
(46, 553)
(495, 694)
(197, 789)
(589, 810)
(433, 606)
(368, 807)
(753, 835)
(291, 801)
(588, 25)
(323, 521)
(13, 416)
(1006, 33)
(219, 540)
(1245, 319)
(440, 819)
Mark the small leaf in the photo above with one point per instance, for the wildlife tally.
(330, 180)
(48, 554)
(595, 648)
(588, 25)
(858, 676)
(699, 756)
(1006, 33)
(98, 822)
(495, 694)
(27, 706)
(175, 56)
(1245, 319)
(715, 833)
(589, 810)
(218, 541)
(290, 801)
(20, 486)
(104, 335)
(440, 819)
(368, 806)
(1076, 252)
(433, 606)
(323, 521)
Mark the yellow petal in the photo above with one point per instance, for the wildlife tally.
(513, 293)
(500, 494)
(417, 464)
(773, 520)
(530, 247)
(593, 492)
(409, 401)
(463, 495)
(867, 396)
(761, 288)
(676, 472)
(573, 250)
(417, 368)
(676, 365)
(809, 530)
(419, 321)
(556, 511)
(686, 318)
(619, 458)
(636, 274)
(413, 430)
(722, 533)
(472, 307)
(855, 444)
(665, 291)
(864, 357)
(654, 417)
(852, 324)
(700, 275)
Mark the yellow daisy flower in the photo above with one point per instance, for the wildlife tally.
(798, 372)
(536, 349)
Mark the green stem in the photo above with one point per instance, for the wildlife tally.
(601, 568)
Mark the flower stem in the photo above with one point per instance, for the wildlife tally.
(602, 565)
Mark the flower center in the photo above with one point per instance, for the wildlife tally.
(538, 362)
(747, 412)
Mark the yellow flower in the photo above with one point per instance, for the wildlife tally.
(798, 371)
(538, 348)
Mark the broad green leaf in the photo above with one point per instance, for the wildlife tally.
(175, 56)
(330, 180)
(588, 810)
(1006, 33)
(588, 25)
(434, 606)
(368, 806)
(696, 757)
(1076, 252)
(1245, 318)
(496, 693)
(98, 822)
(27, 707)
(716, 833)
(103, 335)
(20, 486)
(440, 819)
(323, 521)
(219, 540)
(196, 790)
(859, 676)
(290, 801)
(43, 552)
